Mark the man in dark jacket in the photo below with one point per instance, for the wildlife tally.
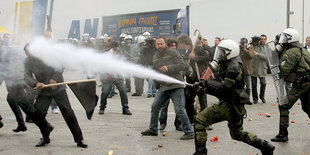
(200, 57)
(19, 93)
(6, 54)
(47, 75)
(146, 53)
(172, 44)
(246, 55)
(108, 80)
(169, 62)
(210, 49)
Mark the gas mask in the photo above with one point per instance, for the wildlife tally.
(214, 66)
(279, 48)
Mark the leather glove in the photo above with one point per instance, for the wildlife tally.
(201, 84)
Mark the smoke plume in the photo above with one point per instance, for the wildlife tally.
(59, 56)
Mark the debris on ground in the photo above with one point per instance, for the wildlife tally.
(214, 139)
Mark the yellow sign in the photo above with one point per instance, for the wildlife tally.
(135, 21)
(4, 30)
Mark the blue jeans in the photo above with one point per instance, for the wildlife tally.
(106, 88)
(112, 90)
(177, 96)
(151, 89)
(164, 114)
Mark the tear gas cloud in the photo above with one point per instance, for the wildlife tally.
(12, 65)
(60, 55)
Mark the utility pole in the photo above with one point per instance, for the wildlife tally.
(287, 13)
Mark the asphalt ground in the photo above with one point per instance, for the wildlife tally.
(120, 134)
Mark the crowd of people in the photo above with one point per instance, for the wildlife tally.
(235, 70)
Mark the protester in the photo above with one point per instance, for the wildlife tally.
(38, 74)
(168, 62)
(146, 53)
(19, 93)
(108, 80)
(6, 59)
(200, 58)
(259, 67)
(247, 54)
(163, 115)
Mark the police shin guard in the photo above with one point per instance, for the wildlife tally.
(265, 147)
(200, 148)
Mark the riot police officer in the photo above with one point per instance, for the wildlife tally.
(100, 44)
(128, 54)
(147, 35)
(228, 86)
(85, 42)
(295, 68)
(139, 82)
(92, 42)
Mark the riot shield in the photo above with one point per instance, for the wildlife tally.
(274, 64)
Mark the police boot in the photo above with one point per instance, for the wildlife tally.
(265, 147)
(201, 149)
(281, 137)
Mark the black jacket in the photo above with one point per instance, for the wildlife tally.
(146, 55)
(201, 58)
(42, 73)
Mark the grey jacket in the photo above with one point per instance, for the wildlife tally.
(259, 62)
(12, 72)
(36, 71)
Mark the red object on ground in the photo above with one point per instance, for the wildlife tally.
(292, 121)
(293, 113)
(273, 104)
(214, 139)
(261, 114)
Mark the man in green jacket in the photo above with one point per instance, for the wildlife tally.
(169, 62)
(295, 68)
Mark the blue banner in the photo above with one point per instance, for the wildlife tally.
(159, 24)
(169, 23)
